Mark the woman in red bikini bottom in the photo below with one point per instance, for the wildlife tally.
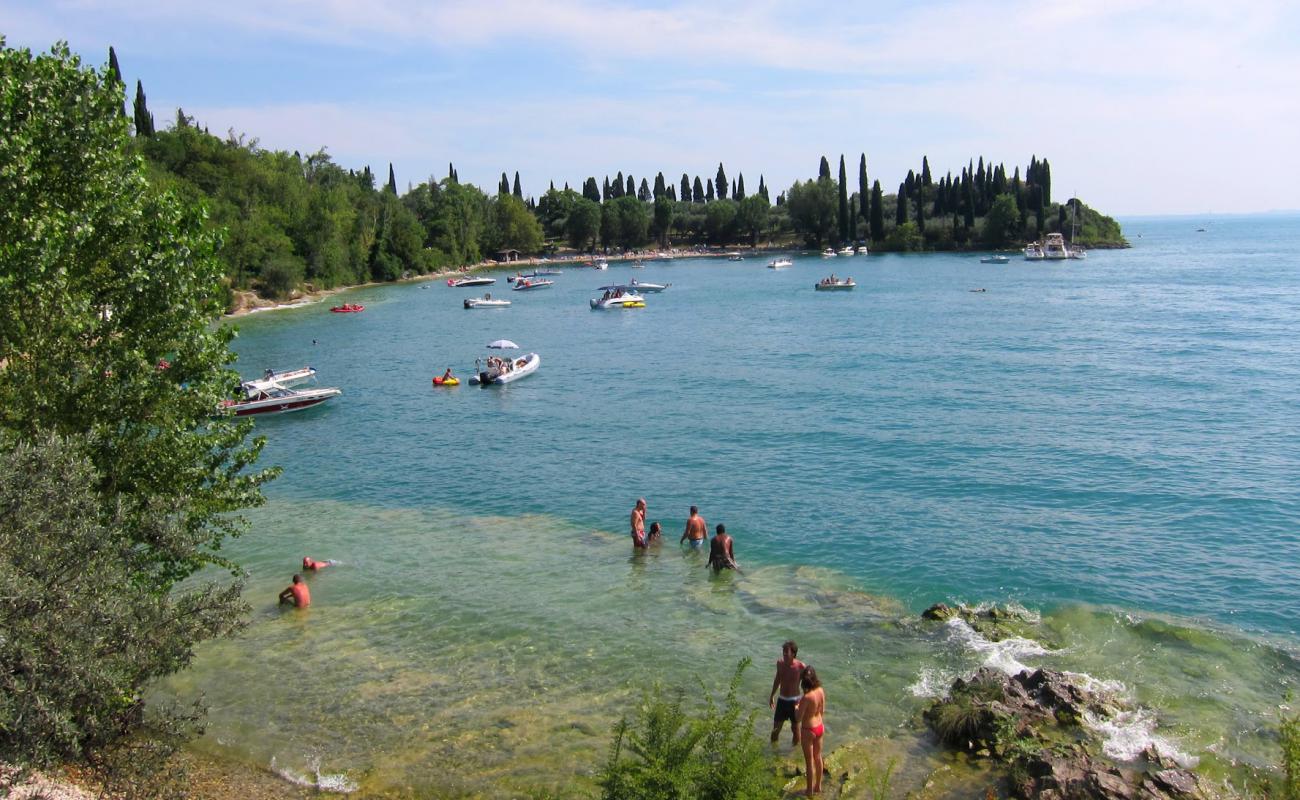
(811, 727)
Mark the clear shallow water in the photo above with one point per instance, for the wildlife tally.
(1113, 443)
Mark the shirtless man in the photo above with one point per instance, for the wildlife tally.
(312, 564)
(721, 554)
(788, 671)
(638, 524)
(296, 594)
(697, 530)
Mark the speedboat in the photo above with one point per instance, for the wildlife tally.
(641, 286)
(486, 301)
(618, 297)
(994, 260)
(780, 263)
(1054, 248)
(601, 264)
(519, 276)
(862, 251)
(348, 308)
(506, 370)
(828, 253)
(285, 379)
(524, 284)
(1034, 252)
(832, 284)
(277, 399)
(1078, 253)
(458, 283)
(847, 250)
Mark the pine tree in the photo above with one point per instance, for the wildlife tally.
(721, 182)
(516, 191)
(503, 188)
(686, 188)
(392, 180)
(739, 193)
(900, 208)
(864, 189)
(697, 193)
(143, 119)
(824, 170)
(843, 215)
(877, 213)
(708, 192)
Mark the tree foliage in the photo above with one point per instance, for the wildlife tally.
(813, 207)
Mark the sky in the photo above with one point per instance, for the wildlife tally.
(1170, 107)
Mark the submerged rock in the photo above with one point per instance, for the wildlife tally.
(995, 623)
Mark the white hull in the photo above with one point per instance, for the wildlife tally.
(460, 283)
(272, 379)
(479, 302)
(527, 284)
(649, 287)
(278, 400)
(832, 287)
(522, 367)
(780, 263)
(624, 301)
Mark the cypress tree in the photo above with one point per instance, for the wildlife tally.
(844, 202)
(708, 192)
(910, 184)
(824, 170)
(451, 173)
(686, 188)
(762, 188)
(864, 189)
(644, 194)
(631, 187)
(616, 188)
(660, 188)
(877, 213)
(920, 209)
(604, 190)
(900, 208)
(1018, 192)
(721, 182)
(115, 75)
(697, 193)
(516, 191)
(672, 193)
(503, 188)
(392, 180)
(590, 190)
(1046, 182)
(1060, 218)
(968, 200)
(143, 119)
(733, 191)
(925, 171)
(739, 193)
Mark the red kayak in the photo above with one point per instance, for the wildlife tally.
(348, 308)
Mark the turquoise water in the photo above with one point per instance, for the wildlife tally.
(1112, 444)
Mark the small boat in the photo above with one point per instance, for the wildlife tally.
(832, 284)
(846, 251)
(1034, 252)
(506, 370)
(1054, 248)
(862, 251)
(348, 308)
(524, 284)
(994, 260)
(486, 301)
(780, 263)
(616, 297)
(828, 253)
(277, 399)
(439, 380)
(285, 379)
(458, 283)
(1078, 253)
(642, 286)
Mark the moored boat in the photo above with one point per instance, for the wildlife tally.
(457, 283)
(486, 301)
(832, 284)
(644, 286)
(1034, 252)
(618, 297)
(525, 284)
(828, 253)
(846, 250)
(288, 378)
(1054, 248)
(995, 259)
(277, 399)
(505, 370)
(780, 263)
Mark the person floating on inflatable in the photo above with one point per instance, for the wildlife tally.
(446, 379)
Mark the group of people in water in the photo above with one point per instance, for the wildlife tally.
(297, 594)
(797, 695)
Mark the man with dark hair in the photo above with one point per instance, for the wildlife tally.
(296, 594)
(788, 670)
(721, 555)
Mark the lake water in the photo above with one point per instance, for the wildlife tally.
(1112, 444)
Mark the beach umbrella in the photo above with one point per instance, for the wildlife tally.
(503, 344)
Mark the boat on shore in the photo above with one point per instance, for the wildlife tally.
(486, 301)
(458, 283)
(505, 370)
(780, 263)
(526, 284)
(833, 284)
(999, 259)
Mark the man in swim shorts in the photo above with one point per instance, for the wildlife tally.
(638, 524)
(721, 554)
(697, 530)
(788, 670)
(296, 594)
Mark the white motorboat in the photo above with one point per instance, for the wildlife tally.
(1078, 253)
(600, 264)
(780, 263)
(458, 283)
(505, 370)
(486, 301)
(846, 251)
(1034, 252)
(284, 379)
(525, 284)
(618, 297)
(643, 286)
(862, 251)
(994, 260)
(1054, 248)
(277, 400)
(828, 253)
(832, 284)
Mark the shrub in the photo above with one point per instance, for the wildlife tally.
(280, 276)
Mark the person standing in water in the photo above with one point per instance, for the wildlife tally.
(811, 727)
(721, 555)
(788, 672)
(638, 524)
(697, 530)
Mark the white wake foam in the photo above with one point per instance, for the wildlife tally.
(337, 783)
(1005, 655)
(1128, 733)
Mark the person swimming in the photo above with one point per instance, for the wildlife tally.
(309, 563)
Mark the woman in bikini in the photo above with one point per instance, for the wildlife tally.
(811, 727)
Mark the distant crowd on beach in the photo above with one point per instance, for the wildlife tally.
(797, 695)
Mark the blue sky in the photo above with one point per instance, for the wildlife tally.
(1141, 107)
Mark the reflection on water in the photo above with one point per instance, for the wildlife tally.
(449, 653)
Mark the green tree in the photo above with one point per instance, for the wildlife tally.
(513, 226)
(842, 218)
(143, 119)
(877, 213)
(517, 190)
(812, 205)
(752, 216)
(392, 180)
(721, 182)
(663, 218)
(630, 223)
(583, 224)
(1002, 225)
(697, 192)
(719, 221)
